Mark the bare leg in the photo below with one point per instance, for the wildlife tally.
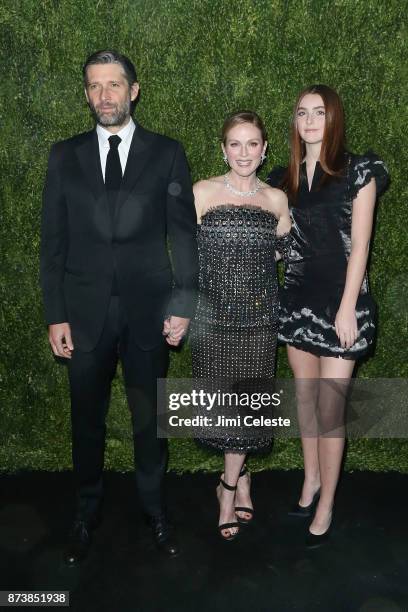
(335, 374)
(306, 370)
(243, 496)
(232, 468)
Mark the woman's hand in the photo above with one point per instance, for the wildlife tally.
(174, 329)
(346, 326)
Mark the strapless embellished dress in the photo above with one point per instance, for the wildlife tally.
(234, 332)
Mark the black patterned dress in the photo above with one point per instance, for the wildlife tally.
(234, 332)
(316, 268)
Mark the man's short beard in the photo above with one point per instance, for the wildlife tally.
(118, 118)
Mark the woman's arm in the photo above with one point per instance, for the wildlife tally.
(284, 222)
(199, 195)
(196, 191)
(361, 228)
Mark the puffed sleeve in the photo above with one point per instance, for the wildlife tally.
(275, 177)
(363, 169)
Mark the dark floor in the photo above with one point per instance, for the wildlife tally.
(364, 568)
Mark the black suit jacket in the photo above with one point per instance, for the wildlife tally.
(80, 248)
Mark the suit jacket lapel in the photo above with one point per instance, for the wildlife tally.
(137, 160)
(90, 162)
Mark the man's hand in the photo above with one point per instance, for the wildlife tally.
(174, 329)
(59, 336)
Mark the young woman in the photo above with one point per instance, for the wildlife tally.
(327, 314)
(234, 333)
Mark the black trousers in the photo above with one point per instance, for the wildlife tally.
(90, 377)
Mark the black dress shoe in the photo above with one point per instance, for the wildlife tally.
(305, 511)
(79, 541)
(163, 535)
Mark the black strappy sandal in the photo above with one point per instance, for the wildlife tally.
(232, 536)
(244, 521)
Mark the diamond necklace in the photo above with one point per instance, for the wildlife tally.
(243, 194)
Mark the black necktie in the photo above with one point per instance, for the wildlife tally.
(113, 179)
(113, 173)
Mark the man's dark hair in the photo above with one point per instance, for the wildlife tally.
(109, 56)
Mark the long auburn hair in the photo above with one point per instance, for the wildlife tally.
(332, 158)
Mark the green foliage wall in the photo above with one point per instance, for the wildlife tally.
(196, 60)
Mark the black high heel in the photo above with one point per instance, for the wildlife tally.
(315, 541)
(305, 511)
(232, 525)
(241, 520)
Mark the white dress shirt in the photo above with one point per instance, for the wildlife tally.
(126, 134)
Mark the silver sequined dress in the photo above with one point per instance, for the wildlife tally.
(234, 332)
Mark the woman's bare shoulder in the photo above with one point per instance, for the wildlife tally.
(206, 191)
(207, 188)
(208, 183)
(275, 197)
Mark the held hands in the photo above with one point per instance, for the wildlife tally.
(174, 329)
(59, 336)
(346, 326)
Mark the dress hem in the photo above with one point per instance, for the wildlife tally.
(320, 352)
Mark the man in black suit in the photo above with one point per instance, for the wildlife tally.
(112, 196)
